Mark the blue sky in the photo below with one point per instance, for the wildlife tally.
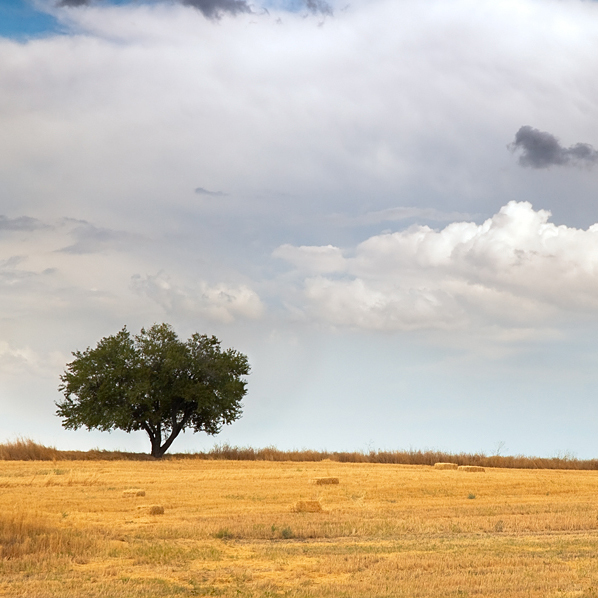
(389, 206)
(20, 19)
(24, 19)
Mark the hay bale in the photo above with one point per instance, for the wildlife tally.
(156, 510)
(472, 468)
(133, 492)
(445, 466)
(325, 481)
(308, 506)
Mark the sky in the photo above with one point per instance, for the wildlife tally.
(390, 206)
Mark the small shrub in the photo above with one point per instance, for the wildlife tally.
(286, 533)
(325, 481)
(133, 492)
(471, 496)
(224, 534)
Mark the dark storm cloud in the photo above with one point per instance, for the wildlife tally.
(540, 149)
(202, 191)
(212, 9)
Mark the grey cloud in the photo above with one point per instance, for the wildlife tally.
(542, 150)
(21, 223)
(398, 214)
(202, 191)
(318, 6)
(91, 239)
(12, 273)
(213, 9)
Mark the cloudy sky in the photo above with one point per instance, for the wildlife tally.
(391, 206)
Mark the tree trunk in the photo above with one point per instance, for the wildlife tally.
(159, 449)
(155, 436)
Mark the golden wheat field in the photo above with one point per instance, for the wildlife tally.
(241, 528)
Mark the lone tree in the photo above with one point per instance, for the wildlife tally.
(154, 382)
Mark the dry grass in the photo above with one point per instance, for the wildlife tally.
(24, 449)
(227, 530)
(27, 450)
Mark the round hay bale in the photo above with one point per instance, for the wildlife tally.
(156, 510)
(445, 466)
(133, 492)
(471, 468)
(308, 506)
(325, 481)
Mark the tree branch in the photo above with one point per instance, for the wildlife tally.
(149, 431)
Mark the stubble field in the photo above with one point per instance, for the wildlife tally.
(68, 529)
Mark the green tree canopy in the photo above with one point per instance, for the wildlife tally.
(154, 382)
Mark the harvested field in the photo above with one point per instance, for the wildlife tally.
(228, 529)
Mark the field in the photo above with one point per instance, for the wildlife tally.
(229, 528)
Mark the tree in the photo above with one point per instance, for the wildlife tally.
(154, 382)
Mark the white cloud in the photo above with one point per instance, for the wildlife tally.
(65, 283)
(220, 302)
(17, 360)
(312, 259)
(515, 269)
